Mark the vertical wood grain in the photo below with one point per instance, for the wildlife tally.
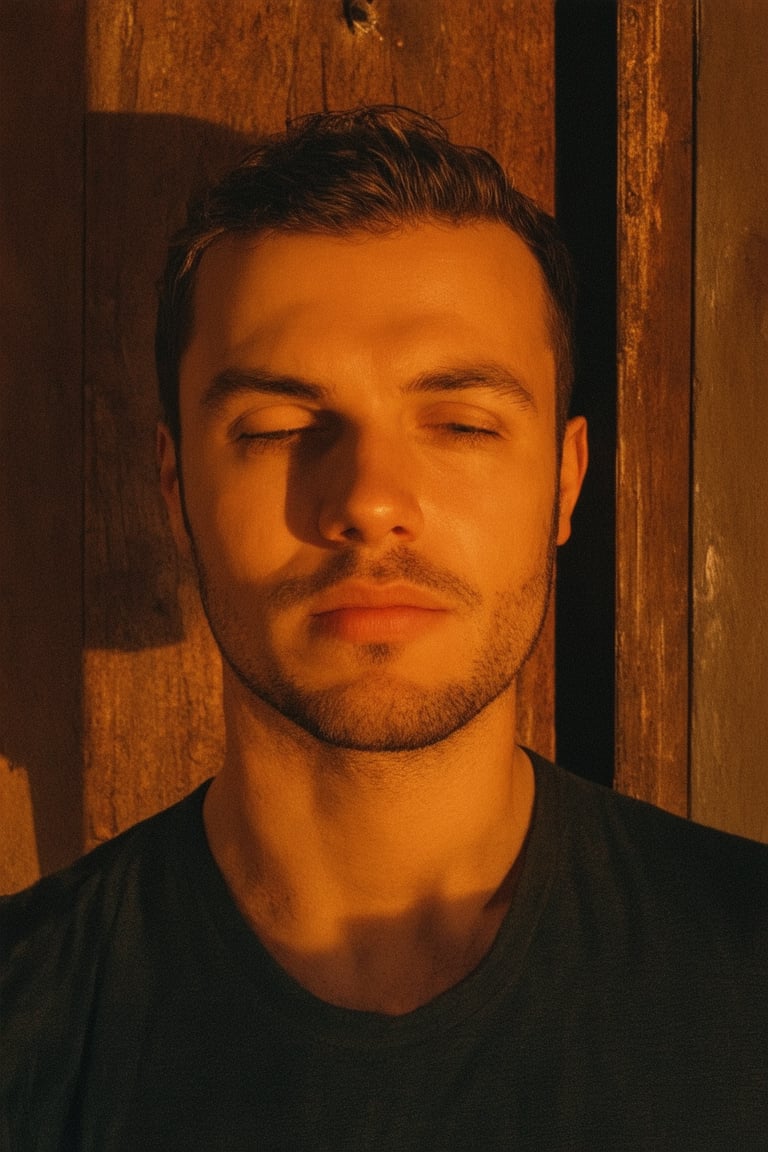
(653, 468)
(173, 91)
(729, 731)
(41, 238)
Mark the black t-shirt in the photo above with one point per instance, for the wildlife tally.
(623, 1006)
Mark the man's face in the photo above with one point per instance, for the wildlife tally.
(369, 465)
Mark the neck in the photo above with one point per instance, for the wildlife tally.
(337, 857)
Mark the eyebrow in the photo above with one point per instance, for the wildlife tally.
(489, 377)
(238, 381)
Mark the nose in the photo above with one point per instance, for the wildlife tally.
(369, 491)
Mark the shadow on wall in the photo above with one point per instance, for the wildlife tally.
(140, 173)
(86, 561)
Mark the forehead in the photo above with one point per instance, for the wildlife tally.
(437, 289)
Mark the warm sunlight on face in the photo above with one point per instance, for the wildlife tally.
(369, 473)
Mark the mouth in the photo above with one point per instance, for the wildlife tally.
(390, 614)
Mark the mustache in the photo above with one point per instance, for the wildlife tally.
(398, 565)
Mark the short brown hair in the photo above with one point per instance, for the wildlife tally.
(370, 169)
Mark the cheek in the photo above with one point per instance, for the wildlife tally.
(251, 538)
(500, 509)
(234, 529)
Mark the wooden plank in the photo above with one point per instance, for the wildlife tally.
(172, 90)
(654, 235)
(41, 109)
(730, 464)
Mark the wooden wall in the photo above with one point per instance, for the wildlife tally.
(692, 462)
(111, 113)
(729, 728)
(655, 213)
(111, 683)
(41, 249)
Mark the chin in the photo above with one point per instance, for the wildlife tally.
(384, 714)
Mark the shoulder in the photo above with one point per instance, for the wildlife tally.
(64, 938)
(82, 897)
(62, 942)
(643, 823)
(688, 881)
(53, 934)
(661, 836)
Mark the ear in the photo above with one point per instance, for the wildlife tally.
(572, 468)
(170, 487)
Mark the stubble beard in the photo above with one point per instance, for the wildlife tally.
(380, 711)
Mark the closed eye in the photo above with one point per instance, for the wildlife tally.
(273, 434)
(463, 422)
(459, 434)
(469, 430)
(275, 425)
(278, 438)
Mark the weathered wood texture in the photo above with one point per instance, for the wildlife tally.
(41, 106)
(655, 220)
(729, 729)
(173, 90)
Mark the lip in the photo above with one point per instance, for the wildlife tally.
(351, 595)
(362, 614)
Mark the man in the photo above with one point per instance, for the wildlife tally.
(383, 925)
